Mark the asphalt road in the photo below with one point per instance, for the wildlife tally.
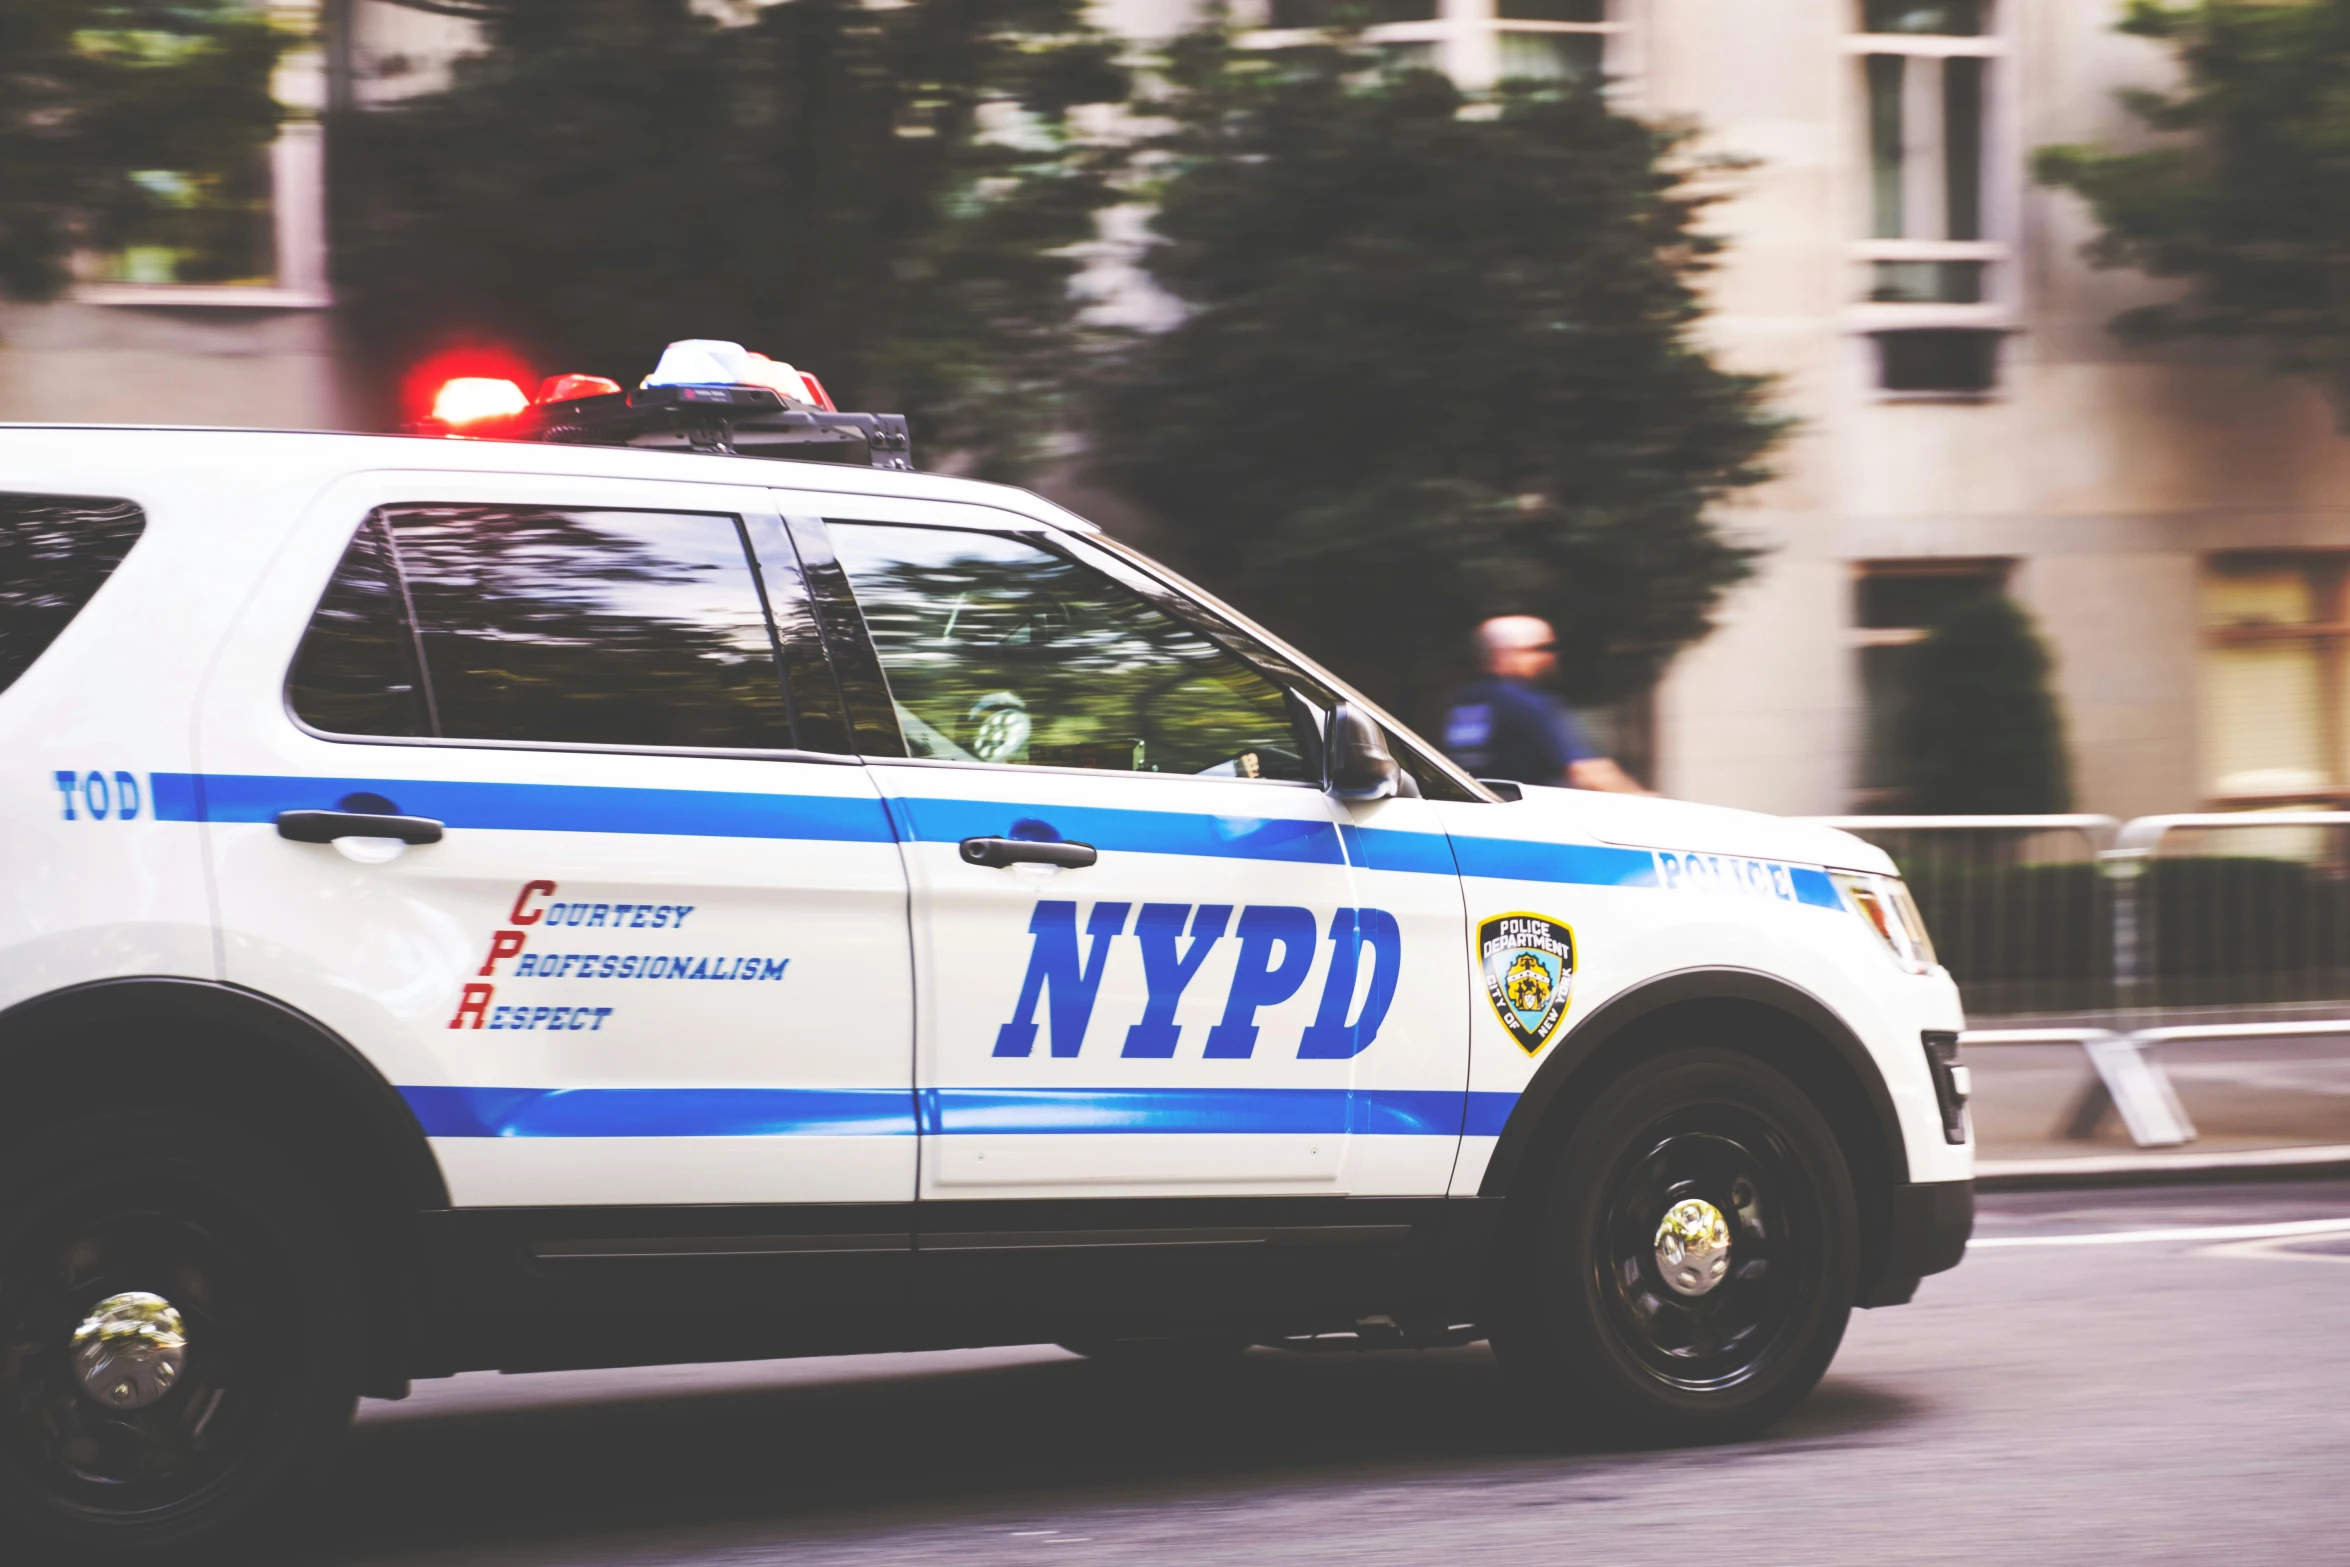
(2178, 1400)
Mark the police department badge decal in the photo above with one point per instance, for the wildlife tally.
(1529, 965)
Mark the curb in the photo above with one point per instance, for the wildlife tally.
(2264, 1164)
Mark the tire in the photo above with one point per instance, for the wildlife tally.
(234, 1240)
(1588, 1323)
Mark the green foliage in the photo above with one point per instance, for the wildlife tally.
(93, 91)
(1979, 731)
(885, 196)
(1435, 365)
(2247, 196)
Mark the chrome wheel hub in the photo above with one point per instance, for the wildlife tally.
(1693, 1247)
(130, 1351)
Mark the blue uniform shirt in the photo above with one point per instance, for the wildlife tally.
(1499, 728)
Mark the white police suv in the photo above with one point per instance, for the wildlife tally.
(481, 903)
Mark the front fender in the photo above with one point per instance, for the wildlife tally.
(1644, 1001)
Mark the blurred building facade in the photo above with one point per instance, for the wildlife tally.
(237, 327)
(2177, 522)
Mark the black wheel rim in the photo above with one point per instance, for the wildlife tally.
(1742, 1166)
(218, 1269)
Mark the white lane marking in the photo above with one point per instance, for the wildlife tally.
(2200, 1232)
(2275, 1249)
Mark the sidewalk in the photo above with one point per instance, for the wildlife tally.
(2262, 1108)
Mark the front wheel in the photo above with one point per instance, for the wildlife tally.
(1689, 1262)
(179, 1345)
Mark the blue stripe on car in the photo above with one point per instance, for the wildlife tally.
(949, 1112)
(239, 797)
(1586, 864)
(1814, 887)
(1383, 849)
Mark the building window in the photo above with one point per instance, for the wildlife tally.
(1933, 252)
(1896, 605)
(1476, 42)
(244, 223)
(2274, 694)
(1943, 361)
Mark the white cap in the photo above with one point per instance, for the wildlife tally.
(703, 361)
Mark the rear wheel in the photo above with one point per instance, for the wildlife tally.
(1690, 1260)
(179, 1343)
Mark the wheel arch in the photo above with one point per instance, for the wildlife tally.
(1759, 1014)
(264, 1068)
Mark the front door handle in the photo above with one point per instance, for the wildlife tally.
(1015, 851)
(327, 826)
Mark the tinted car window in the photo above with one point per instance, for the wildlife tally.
(55, 551)
(849, 652)
(565, 626)
(999, 651)
(356, 672)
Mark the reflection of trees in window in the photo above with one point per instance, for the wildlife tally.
(997, 651)
(356, 671)
(580, 627)
(55, 551)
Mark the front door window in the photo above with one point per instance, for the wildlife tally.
(1000, 651)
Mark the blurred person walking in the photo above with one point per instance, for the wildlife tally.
(1505, 726)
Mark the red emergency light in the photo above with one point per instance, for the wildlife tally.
(706, 395)
(788, 381)
(471, 399)
(563, 388)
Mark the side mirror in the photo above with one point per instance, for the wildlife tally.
(1361, 766)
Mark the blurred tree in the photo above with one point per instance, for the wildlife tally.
(888, 196)
(1979, 730)
(95, 94)
(1434, 364)
(2248, 198)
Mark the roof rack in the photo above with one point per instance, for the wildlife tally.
(748, 421)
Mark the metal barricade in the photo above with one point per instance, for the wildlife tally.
(2124, 937)
(2016, 906)
(2239, 918)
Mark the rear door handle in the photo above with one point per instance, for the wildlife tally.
(1015, 851)
(327, 826)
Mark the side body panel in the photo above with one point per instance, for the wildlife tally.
(1299, 1026)
(104, 859)
(1640, 913)
(1403, 866)
(1215, 1075)
(1031, 1086)
(728, 1017)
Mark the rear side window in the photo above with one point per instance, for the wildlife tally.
(562, 626)
(356, 674)
(55, 552)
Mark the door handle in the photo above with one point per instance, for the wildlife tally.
(1015, 851)
(327, 826)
